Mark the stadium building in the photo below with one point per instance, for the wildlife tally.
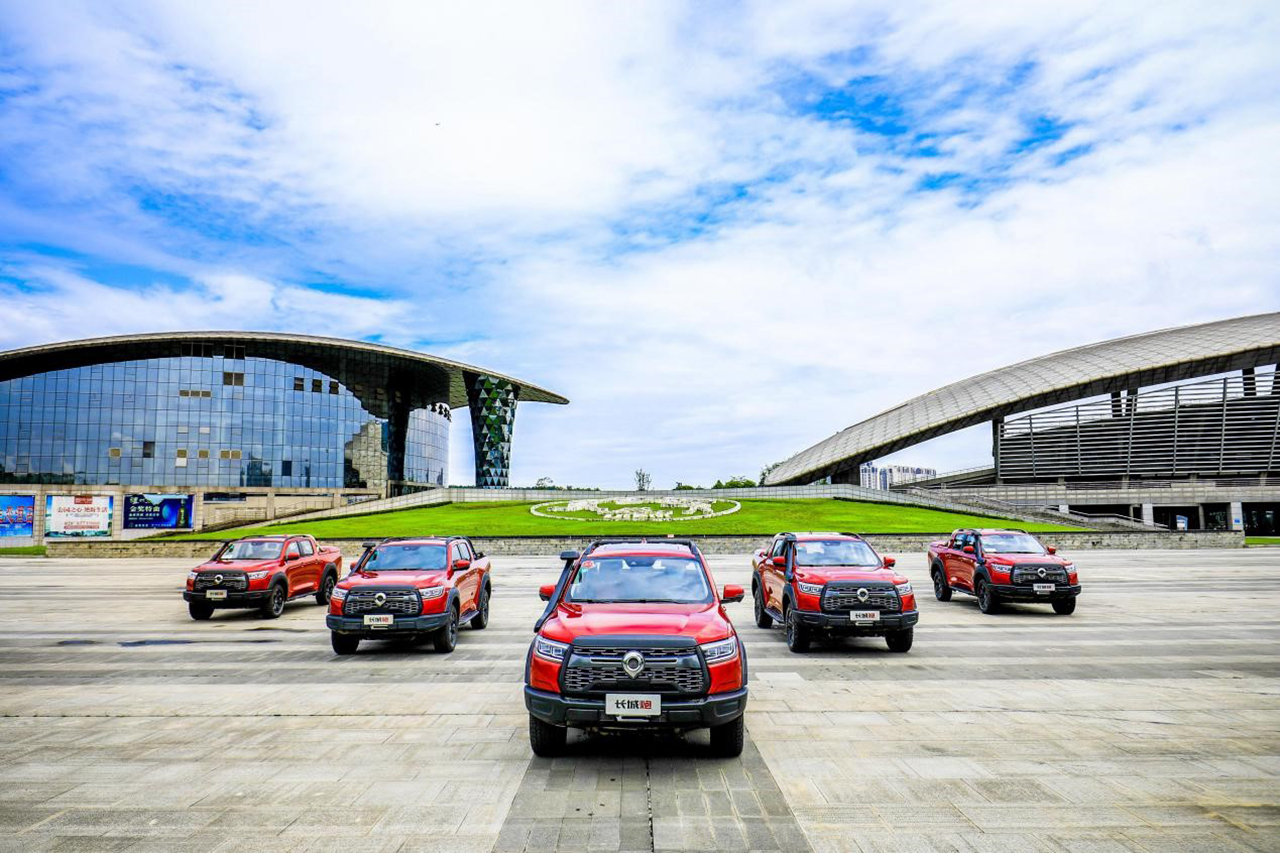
(1172, 427)
(248, 425)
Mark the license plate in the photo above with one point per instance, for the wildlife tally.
(215, 594)
(632, 704)
(1043, 588)
(864, 616)
(376, 620)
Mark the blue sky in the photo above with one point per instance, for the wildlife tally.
(724, 231)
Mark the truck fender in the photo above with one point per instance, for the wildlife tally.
(787, 596)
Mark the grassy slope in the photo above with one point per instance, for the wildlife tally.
(755, 517)
(1262, 540)
(22, 551)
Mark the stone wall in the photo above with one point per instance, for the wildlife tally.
(553, 545)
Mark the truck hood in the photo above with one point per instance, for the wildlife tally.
(237, 565)
(701, 622)
(1033, 559)
(827, 574)
(399, 577)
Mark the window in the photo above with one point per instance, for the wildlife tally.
(305, 548)
(779, 548)
(148, 450)
(316, 385)
(235, 454)
(182, 430)
(182, 453)
(202, 454)
(113, 452)
(236, 379)
(204, 430)
(298, 384)
(292, 550)
(464, 550)
(224, 454)
(286, 468)
(333, 387)
(835, 552)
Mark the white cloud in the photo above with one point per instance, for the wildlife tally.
(550, 190)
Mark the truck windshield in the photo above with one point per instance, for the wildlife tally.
(836, 552)
(406, 557)
(1011, 543)
(251, 550)
(638, 580)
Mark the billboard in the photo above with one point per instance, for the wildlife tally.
(17, 515)
(77, 515)
(157, 511)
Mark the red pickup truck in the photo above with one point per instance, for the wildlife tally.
(1002, 565)
(831, 585)
(413, 588)
(634, 637)
(262, 572)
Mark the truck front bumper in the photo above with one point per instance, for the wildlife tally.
(401, 625)
(712, 710)
(839, 623)
(251, 598)
(1023, 592)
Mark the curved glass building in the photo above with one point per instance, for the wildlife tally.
(217, 410)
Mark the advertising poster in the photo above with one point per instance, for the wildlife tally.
(17, 515)
(157, 511)
(77, 515)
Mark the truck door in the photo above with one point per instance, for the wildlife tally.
(962, 563)
(774, 577)
(465, 579)
(311, 562)
(295, 569)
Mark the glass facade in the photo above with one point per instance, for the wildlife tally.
(211, 418)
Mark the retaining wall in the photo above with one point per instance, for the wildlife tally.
(552, 545)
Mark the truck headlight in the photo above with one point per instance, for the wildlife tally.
(338, 594)
(903, 588)
(431, 592)
(1070, 568)
(550, 649)
(192, 575)
(257, 576)
(720, 650)
(809, 588)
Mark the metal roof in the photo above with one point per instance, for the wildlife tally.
(373, 366)
(1152, 358)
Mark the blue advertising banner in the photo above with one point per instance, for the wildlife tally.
(17, 515)
(157, 511)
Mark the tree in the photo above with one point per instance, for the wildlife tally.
(642, 480)
(685, 487)
(735, 483)
(544, 483)
(766, 471)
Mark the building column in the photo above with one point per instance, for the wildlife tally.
(493, 413)
(1148, 514)
(1236, 520)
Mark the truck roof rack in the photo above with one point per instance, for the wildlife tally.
(641, 540)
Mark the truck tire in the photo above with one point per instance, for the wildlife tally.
(199, 610)
(900, 641)
(481, 620)
(1064, 606)
(546, 740)
(987, 601)
(274, 605)
(327, 583)
(798, 635)
(727, 739)
(344, 644)
(446, 639)
(763, 619)
(941, 589)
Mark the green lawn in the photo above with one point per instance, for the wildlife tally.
(757, 517)
(1262, 540)
(25, 551)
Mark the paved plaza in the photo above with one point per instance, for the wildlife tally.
(1148, 721)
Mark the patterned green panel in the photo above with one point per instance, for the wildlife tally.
(493, 415)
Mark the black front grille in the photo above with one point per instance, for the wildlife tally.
(398, 602)
(1031, 574)
(667, 669)
(844, 596)
(234, 581)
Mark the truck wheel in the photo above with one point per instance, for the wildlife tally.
(326, 588)
(987, 602)
(344, 644)
(274, 605)
(545, 739)
(726, 740)
(199, 610)
(798, 636)
(481, 620)
(1065, 606)
(446, 639)
(900, 641)
(941, 589)
(763, 619)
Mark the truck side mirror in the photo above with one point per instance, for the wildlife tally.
(968, 549)
(732, 592)
(780, 562)
(890, 562)
(546, 591)
(569, 556)
(1051, 549)
(461, 564)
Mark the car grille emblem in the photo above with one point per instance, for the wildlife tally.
(633, 663)
(1042, 572)
(863, 595)
(380, 599)
(217, 578)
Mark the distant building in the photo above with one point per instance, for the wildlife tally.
(893, 475)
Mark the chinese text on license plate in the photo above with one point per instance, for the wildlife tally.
(864, 615)
(379, 620)
(632, 704)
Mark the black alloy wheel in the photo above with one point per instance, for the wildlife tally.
(727, 739)
(274, 605)
(546, 740)
(199, 610)
(798, 636)
(446, 638)
(481, 620)
(763, 619)
(941, 589)
(326, 589)
(987, 602)
(1064, 606)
